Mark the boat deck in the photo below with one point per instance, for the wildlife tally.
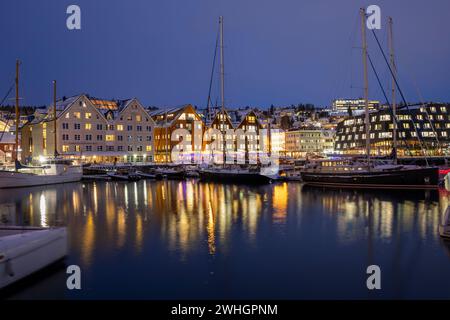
(14, 230)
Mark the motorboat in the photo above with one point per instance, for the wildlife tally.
(239, 174)
(52, 171)
(26, 250)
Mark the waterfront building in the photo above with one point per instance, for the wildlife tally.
(7, 143)
(167, 121)
(301, 143)
(355, 105)
(430, 123)
(96, 130)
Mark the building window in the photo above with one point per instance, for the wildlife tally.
(65, 137)
(139, 148)
(129, 128)
(88, 148)
(65, 126)
(120, 148)
(148, 148)
(99, 137)
(139, 128)
(139, 138)
(77, 115)
(149, 128)
(110, 148)
(67, 116)
(119, 127)
(89, 137)
(88, 126)
(109, 137)
(130, 148)
(99, 127)
(77, 148)
(77, 137)
(138, 118)
(65, 148)
(149, 138)
(99, 148)
(88, 115)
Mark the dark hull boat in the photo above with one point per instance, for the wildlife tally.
(397, 178)
(243, 176)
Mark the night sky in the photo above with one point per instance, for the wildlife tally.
(277, 52)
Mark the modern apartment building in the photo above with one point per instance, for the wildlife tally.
(343, 105)
(97, 130)
(418, 127)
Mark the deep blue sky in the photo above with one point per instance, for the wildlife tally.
(277, 52)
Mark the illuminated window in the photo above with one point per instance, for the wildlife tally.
(120, 127)
(76, 115)
(77, 148)
(65, 148)
(138, 118)
(88, 126)
(109, 137)
(88, 115)
(67, 115)
(148, 148)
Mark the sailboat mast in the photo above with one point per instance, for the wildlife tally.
(54, 119)
(222, 85)
(394, 74)
(366, 83)
(16, 155)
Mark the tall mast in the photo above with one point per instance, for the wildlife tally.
(16, 155)
(167, 140)
(54, 119)
(394, 75)
(222, 85)
(366, 83)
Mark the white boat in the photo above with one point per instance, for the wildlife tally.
(25, 250)
(444, 228)
(61, 171)
(52, 171)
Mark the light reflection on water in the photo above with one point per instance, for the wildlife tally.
(232, 241)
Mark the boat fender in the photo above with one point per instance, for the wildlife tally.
(8, 268)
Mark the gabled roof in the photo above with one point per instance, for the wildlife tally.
(172, 114)
(218, 112)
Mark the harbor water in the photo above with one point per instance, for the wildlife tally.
(195, 240)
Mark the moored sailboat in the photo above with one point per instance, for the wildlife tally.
(368, 173)
(52, 171)
(231, 172)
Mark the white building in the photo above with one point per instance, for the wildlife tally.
(96, 130)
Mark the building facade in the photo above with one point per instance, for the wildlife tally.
(425, 127)
(167, 122)
(303, 143)
(344, 105)
(96, 130)
(7, 143)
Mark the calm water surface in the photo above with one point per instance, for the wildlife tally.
(189, 240)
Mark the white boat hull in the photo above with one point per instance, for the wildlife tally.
(25, 252)
(13, 179)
